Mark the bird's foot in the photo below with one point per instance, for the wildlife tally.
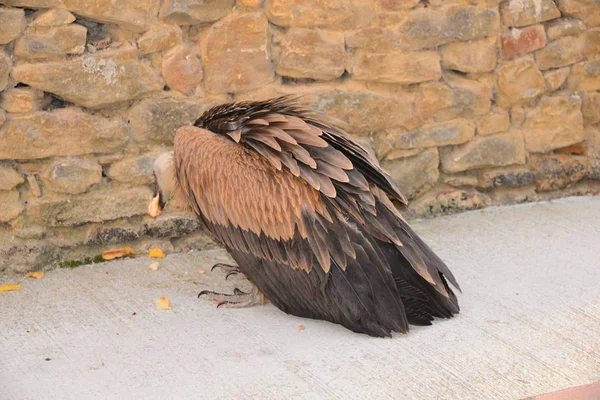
(230, 269)
(238, 299)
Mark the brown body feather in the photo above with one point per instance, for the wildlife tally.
(304, 211)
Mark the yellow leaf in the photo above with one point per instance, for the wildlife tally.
(118, 253)
(301, 327)
(8, 287)
(36, 275)
(156, 253)
(163, 304)
(154, 266)
(201, 272)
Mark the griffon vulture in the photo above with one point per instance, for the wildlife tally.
(305, 212)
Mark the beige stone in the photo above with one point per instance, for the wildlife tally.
(472, 56)
(159, 37)
(362, 111)
(249, 3)
(385, 150)
(517, 116)
(398, 67)
(586, 10)
(181, 69)
(564, 27)
(507, 176)
(415, 175)
(552, 172)
(518, 42)
(374, 39)
(11, 205)
(51, 17)
(12, 23)
(460, 179)
(517, 81)
(485, 151)
(93, 81)
(591, 108)
(9, 178)
(496, 122)
(585, 76)
(561, 52)
(21, 100)
(34, 185)
(335, 14)
(555, 123)
(431, 135)
(52, 41)
(556, 77)
(59, 133)
(314, 54)
(398, 4)
(448, 200)
(237, 37)
(5, 67)
(2, 116)
(97, 206)
(136, 170)
(528, 12)
(429, 27)
(72, 175)
(190, 12)
(134, 15)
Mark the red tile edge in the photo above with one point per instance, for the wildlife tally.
(585, 392)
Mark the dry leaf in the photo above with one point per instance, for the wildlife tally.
(9, 287)
(112, 254)
(301, 327)
(154, 266)
(36, 275)
(201, 272)
(156, 253)
(163, 304)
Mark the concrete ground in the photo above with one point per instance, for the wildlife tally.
(530, 324)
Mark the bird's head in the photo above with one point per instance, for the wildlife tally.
(168, 189)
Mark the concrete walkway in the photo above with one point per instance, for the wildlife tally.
(530, 324)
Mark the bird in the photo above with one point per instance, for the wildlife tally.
(308, 215)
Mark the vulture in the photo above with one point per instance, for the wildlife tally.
(308, 215)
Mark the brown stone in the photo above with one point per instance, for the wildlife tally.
(459, 180)
(34, 3)
(397, 4)
(134, 15)
(249, 3)
(564, 27)
(338, 14)
(52, 17)
(415, 175)
(432, 135)
(528, 12)
(556, 122)
(2, 116)
(591, 108)
(472, 56)
(5, 67)
(34, 185)
(374, 39)
(518, 81)
(11, 205)
(9, 178)
(93, 81)
(447, 201)
(508, 176)
(561, 52)
(518, 42)
(237, 37)
(398, 67)
(191, 12)
(458, 97)
(97, 206)
(59, 133)
(593, 152)
(362, 111)
(21, 100)
(485, 151)
(72, 175)
(159, 37)
(586, 10)
(314, 54)
(552, 172)
(385, 150)
(497, 122)
(138, 170)
(556, 77)
(12, 23)
(585, 76)
(181, 69)
(52, 41)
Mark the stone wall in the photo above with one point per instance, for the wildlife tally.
(468, 103)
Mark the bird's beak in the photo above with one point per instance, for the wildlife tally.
(154, 208)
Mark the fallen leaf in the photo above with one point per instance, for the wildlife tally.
(301, 327)
(9, 287)
(36, 275)
(156, 253)
(482, 211)
(163, 304)
(154, 266)
(185, 251)
(201, 272)
(118, 253)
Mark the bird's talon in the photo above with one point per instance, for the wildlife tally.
(231, 273)
(238, 292)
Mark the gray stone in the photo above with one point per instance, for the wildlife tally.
(441, 134)
(137, 170)
(190, 12)
(170, 224)
(52, 41)
(448, 201)
(21, 256)
(511, 176)
(72, 175)
(552, 172)
(415, 175)
(11, 205)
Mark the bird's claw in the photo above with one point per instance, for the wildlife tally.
(238, 299)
